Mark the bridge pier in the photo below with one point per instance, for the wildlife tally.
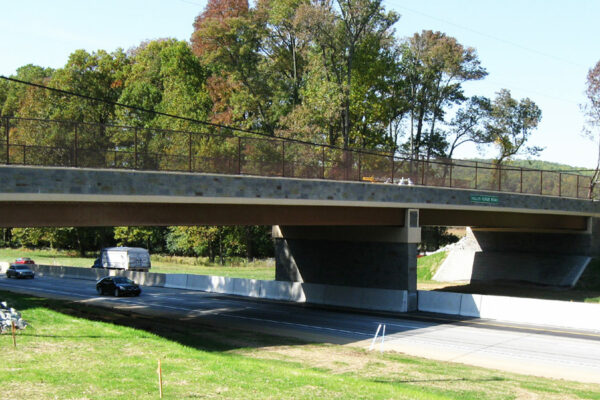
(383, 257)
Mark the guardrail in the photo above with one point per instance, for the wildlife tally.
(30, 141)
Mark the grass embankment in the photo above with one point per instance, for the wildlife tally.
(79, 351)
(428, 265)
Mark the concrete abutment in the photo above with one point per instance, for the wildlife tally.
(547, 258)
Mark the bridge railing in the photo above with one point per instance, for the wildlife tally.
(29, 141)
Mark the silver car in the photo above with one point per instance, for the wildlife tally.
(19, 271)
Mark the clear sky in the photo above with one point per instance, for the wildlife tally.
(541, 49)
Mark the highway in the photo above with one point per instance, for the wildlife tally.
(524, 349)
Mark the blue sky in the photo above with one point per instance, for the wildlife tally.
(541, 49)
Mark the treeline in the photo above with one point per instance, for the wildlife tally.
(330, 72)
(214, 242)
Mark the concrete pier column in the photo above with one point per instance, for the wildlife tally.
(383, 257)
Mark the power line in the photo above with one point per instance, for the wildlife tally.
(114, 103)
(196, 121)
(191, 3)
(493, 37)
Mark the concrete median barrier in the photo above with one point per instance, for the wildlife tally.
(439, 302)
(277, 290)
(176, 281)
(470, 305)
(343, 296)
(199, 282)
(219, 284)
(246, 287)
(3, 267)
(384, 300)
(146, 278)
(313, 292)
(542, 312)
(513, 309)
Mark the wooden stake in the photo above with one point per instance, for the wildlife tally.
(14, 329)
(159, 370)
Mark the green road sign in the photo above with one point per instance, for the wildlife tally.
(481, 198)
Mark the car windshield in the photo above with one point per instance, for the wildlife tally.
(123, 280)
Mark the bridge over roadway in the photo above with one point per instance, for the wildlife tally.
(340, 232)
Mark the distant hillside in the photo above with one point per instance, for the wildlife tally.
(539, 164)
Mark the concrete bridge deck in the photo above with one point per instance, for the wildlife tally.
(54, 196)
(345, 233)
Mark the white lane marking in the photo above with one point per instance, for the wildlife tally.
(409, 326)
(474, 348)
(136, 303)
(203, 312)
(36, 288)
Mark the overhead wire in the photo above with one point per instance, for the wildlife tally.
(507, 42)
(493, 37)
(193, 120)
(140, 109)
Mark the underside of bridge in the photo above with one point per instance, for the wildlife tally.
(353, 246)
(73, 213)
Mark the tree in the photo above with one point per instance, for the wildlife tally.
(100, 75)
(82, 239)
(151, 238)
(435, 66)
(228, 37)
(470, 124)
(3, 93)
(16, 93)
(165, 76)
(220, 241)
(340, 35)
(97, 75)
(511, 124)
(592, 112)
(284, 48)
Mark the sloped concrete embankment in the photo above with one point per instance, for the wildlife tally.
(466, 261)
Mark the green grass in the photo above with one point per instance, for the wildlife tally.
(428, 265)
(77, 351)
(46, 256)
(235, 268)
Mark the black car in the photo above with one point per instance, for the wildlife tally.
(19, 271)
(118, 285)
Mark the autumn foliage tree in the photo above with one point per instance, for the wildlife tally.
(330, 72)
(592, 112)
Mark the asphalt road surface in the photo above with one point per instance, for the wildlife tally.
(532, 350)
